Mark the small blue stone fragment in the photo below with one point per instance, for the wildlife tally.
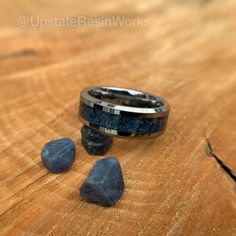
(58, 155)
(104, 184)
(94, 142)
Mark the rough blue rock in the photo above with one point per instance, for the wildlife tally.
(104, 184)
(94, 142)
(58, 155)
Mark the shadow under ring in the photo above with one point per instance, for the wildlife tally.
(122, 112)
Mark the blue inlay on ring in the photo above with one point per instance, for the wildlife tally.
(125, 125)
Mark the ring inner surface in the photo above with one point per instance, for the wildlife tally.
(130, 98)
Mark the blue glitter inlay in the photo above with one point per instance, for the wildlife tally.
(125, 125)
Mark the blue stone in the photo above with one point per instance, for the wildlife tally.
(58, 155)
(94, 142)
(104, 184)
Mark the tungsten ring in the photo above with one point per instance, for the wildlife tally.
(123, 112)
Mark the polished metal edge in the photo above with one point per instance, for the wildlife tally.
(89, 100)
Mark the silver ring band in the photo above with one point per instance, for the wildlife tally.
(123, 112)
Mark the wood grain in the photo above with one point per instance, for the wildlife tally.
(173, 187)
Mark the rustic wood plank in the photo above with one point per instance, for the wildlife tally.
(173, 185)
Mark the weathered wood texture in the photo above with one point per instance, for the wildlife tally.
(187, 55)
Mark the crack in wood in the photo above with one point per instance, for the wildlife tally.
(23, 53)
(210, 151)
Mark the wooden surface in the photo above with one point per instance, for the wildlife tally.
(175, 184)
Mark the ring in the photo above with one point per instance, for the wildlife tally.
(123, 112)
